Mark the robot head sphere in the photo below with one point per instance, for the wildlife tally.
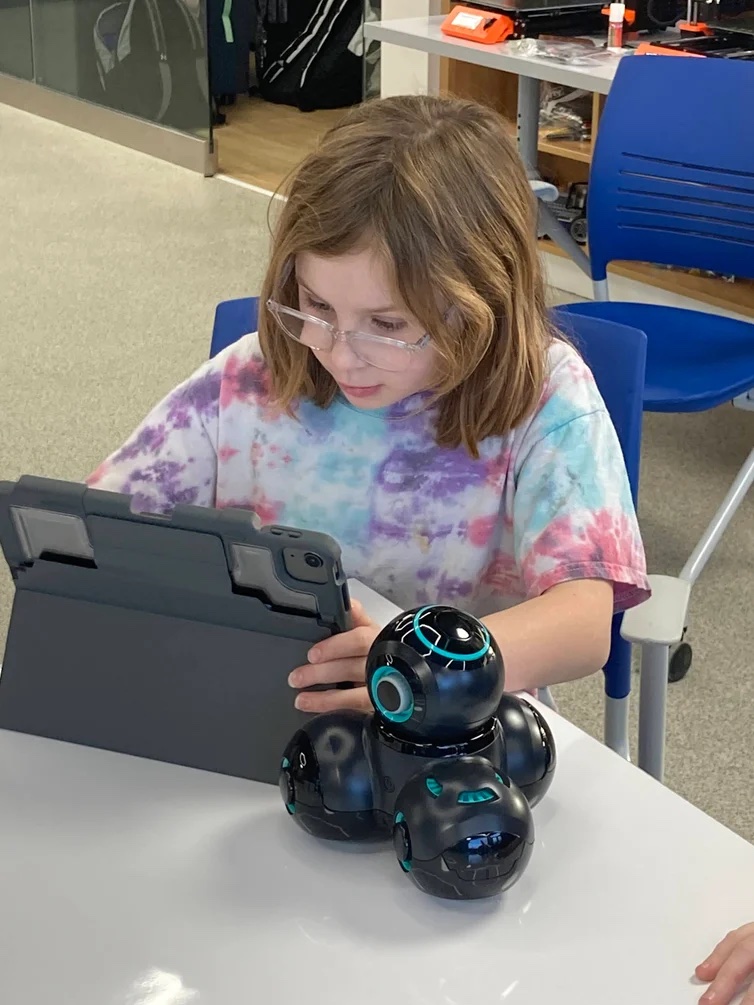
(435, 674)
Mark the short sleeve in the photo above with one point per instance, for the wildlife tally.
(171, 459)
(574, 517)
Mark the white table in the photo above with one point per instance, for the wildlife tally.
(129, 882)
(424, 35)
(113, 869)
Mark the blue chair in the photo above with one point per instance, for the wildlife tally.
(233, 318)
(616, 355)
(673, 190)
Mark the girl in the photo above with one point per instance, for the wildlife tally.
(407, 395)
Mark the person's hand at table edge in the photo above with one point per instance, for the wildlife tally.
(339, 659)
(728, 967)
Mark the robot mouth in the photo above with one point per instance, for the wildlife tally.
(486, 857)
(478, 876)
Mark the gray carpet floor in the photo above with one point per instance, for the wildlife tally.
(110, 266)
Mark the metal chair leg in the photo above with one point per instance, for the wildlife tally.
(716, 528)
(616, 725)
(653, 696)
(546, 697)
(550, 225)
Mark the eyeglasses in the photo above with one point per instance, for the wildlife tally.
(320, 336)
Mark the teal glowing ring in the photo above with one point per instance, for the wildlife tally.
(380, 675)
(461, 657)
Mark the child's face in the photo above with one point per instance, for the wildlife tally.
(353, 293)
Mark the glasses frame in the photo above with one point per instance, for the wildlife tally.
(344, 335)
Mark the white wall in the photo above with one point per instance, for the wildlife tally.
(405, 71)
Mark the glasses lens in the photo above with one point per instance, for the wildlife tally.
(383, 355)
(309, 333)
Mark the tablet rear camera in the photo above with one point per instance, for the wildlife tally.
(306, 566)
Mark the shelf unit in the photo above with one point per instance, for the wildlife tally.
(565, 162)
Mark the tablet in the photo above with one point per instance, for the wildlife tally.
(169, 638)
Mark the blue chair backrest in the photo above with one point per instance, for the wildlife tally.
(616, 355)
(233, 318)
(669, 186)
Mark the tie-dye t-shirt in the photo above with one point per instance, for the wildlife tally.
(418, 523)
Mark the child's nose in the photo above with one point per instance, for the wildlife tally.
(343, 355)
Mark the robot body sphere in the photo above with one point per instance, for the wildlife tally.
(433, 765)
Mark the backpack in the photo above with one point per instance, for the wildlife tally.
(307, 60)
(151, 62)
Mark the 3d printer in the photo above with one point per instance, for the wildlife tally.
(720, 28)
(534, 18)
(711, 27)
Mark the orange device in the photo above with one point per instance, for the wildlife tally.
(478, 25)
(694, 28)
(657, 49)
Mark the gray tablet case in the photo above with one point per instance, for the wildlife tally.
(167, 638)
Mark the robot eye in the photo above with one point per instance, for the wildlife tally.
(392, 695)
(434, 787)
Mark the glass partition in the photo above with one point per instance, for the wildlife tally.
(147, 58)
(15, 39)
(372, 78)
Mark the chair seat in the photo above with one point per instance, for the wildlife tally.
(695, 361)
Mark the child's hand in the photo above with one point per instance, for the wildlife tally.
(337, 659)
(729, 966)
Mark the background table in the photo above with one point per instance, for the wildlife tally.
(129, 882)
(424, 35)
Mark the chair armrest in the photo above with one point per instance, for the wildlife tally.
(543, 190)
(661, 620)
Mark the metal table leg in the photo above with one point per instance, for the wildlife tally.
(527, 120)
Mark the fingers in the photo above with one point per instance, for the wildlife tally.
(721, 952)
(329, 701)
(359, 617)
(338, 659)
(731, 976)
(333, 672)
(345, 645)
(733, 966)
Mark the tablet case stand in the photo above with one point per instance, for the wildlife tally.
(168, 638)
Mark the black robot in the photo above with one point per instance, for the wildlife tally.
(448, 764)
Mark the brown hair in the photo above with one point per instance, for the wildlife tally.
(437, 187)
